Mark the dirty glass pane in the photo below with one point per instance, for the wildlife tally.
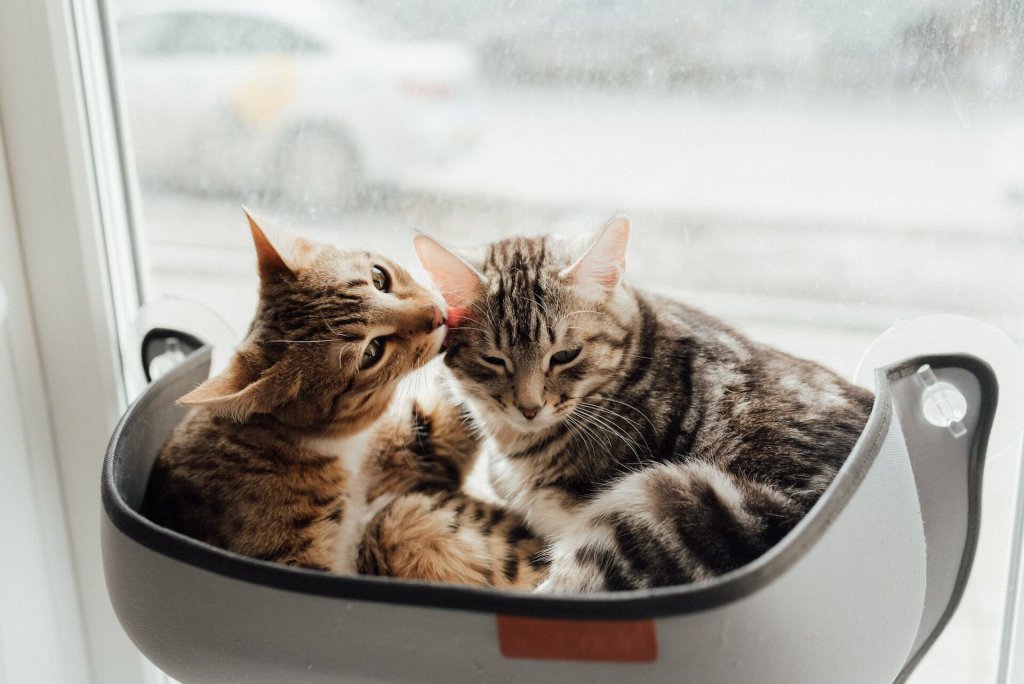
(810, 170)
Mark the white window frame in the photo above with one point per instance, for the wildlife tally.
(39, 608)
(59, 130)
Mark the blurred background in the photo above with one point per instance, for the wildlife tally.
(811, 171)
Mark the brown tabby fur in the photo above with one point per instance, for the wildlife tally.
(289, 452)
(434, 530)
(244, 488)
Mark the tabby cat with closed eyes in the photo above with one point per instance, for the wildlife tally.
(292, 455)
(649, 442)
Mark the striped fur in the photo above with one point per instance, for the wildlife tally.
(292, 450)
(670, 450)
(429, 528)
(452, 538)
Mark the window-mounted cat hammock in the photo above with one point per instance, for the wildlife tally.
(857, 592)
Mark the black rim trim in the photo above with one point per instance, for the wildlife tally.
(191, 343)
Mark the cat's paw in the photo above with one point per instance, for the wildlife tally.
(565, 578)
(563, 586)
(545, 587)
(449, 432)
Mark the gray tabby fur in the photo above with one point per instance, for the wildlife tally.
(672, 449)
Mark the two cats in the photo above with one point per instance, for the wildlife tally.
(637, 442)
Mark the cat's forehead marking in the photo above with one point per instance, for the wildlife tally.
(520, 293)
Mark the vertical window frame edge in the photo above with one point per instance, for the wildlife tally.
(62, 217)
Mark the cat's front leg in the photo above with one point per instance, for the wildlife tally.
(444, 431)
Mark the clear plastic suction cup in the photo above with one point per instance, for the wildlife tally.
(943, 404)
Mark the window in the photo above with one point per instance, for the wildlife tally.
(810, 171)
(172, 34)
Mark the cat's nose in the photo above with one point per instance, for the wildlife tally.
(531, 412)
(438, 317)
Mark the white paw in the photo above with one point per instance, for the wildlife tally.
(545, 587)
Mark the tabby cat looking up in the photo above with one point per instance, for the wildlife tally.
(268, 463)
(651, 443)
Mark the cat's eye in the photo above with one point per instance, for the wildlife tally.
(494, 360)
(563, 357)
(381, 279)
(372, 354)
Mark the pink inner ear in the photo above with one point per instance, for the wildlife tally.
(456, 279)
(269, 260)
(603, 263)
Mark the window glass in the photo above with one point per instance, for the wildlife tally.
(173, 34)
(809, 170)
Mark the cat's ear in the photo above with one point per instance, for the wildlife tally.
(602, 265)
(281, 257)
(459, 282)
(240, 390)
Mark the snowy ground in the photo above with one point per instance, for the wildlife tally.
(810, 226)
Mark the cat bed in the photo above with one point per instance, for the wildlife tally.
(856, 592)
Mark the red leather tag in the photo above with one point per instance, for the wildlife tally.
(620, 641)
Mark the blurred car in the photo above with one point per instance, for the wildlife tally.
(300, 99)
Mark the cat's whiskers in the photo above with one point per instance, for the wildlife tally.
(486, 314)
(598, 442)
(603, 435)
(579, 428)
(626, 354)
(575, 313)
(635, 447)
(615, 414)
(631, 407)
(321, 312)
(470, 327)
(601, 421)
